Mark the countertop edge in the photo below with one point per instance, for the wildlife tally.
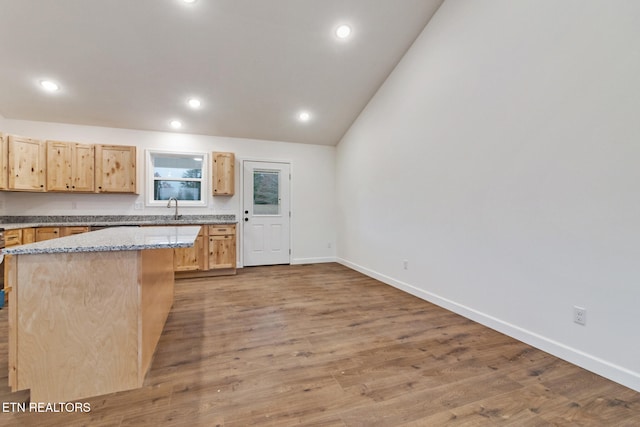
(112, 240)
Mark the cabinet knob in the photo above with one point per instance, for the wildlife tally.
(246, 219)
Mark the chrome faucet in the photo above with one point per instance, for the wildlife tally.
(175, 216)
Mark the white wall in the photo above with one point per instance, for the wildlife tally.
(502, 160)
(312, 191)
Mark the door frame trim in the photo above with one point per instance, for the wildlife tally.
(240, 228)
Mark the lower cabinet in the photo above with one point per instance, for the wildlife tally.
(222, 247)
(191, 259)
(214, 253)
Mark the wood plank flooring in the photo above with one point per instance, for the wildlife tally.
(322, 345)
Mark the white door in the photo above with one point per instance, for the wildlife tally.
(266, 213)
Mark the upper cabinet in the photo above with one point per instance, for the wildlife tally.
(4, 161)
(27, 163)
(223, 174)
(115, 169)
(70, 166)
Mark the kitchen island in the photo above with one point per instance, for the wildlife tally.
(86, 311)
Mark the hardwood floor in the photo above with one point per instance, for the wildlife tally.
(323, 345)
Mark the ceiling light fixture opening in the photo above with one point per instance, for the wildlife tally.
(49, 86)
(343, 31)
(194, 103)
(176, 124)
(189, 1)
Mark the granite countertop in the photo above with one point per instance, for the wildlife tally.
(14, 222)
(114, 239)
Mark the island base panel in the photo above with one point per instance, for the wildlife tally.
(86, 324)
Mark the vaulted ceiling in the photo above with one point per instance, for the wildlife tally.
(253, 64)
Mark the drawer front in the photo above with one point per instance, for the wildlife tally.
(222, 230)
(69, 231)
(12, 237)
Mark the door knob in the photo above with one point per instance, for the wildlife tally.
(246, 219)
(246, 212)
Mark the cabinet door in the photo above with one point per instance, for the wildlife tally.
(191, 259)
(59, 156)
(28, 235)
(4, 162)
(115, 169)
(27, 163)
(222, 252)
(83, 168)
(47, 233)
(223, 174)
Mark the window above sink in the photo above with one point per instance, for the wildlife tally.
(181, 175)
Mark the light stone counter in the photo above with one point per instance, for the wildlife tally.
(15, 222)
(114, 239)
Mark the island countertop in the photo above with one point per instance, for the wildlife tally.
(114, 239)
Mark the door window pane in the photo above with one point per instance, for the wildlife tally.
(266, 192)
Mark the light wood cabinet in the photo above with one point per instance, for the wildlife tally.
(47, 233)
(27, 163)
(115, 169)
(70, 166)
(4, 162)
(28, 235)
(19, 236)
(194, 258)
(12, 238)
(222, 246)
(223, 174)
(71, 230)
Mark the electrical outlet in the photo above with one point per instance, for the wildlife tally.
(329, 245)
(74, 205)
(579, 315)
(405, 264)
(138, 206)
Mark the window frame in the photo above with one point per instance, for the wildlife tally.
(150, 179)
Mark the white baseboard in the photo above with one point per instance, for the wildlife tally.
(589, 362)
(318, 260)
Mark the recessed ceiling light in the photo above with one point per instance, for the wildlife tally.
(49, 86)
(343, 31)
(176, 124)
(194, 103)
(304, 116)
(189, 1)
